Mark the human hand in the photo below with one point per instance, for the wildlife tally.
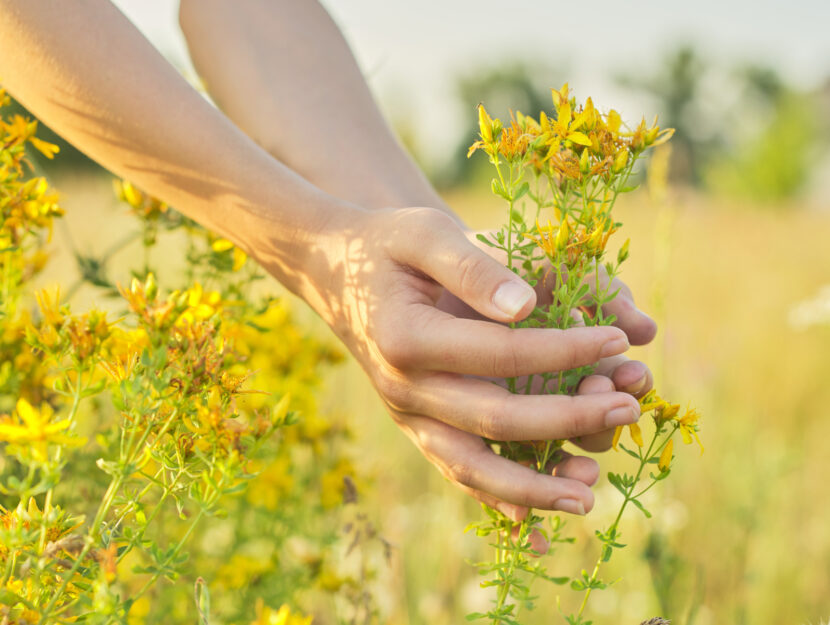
(377, 277)
(623, 374)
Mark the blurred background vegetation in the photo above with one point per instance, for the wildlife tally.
(722, 258)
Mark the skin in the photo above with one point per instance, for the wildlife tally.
(283, 172)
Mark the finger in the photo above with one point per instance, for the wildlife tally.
(601, 440)
(537, 541)
(440, 342)
(467, 461)
(511, 511)
(628, 376)
(638, 326)
(430, 241)
(488, 410)
(563, 464)
(581, 468)
(517, 514)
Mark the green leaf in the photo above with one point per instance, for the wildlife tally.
(629, 452)
(497, 188)
(641, 507)
(486, 241)
(522, 191)
(474, 616)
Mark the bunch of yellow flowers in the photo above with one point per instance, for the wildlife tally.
(121, 435)
(561, 175)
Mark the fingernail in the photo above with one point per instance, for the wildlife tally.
(637, 386)
(621, 416)
(614, 347)
(574, 506)
(511, 297)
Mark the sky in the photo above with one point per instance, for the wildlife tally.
(411, 52)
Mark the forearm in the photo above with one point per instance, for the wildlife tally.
(85, 70)
(286, 76)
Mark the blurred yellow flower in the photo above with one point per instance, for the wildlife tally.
(34, 427)
(688, 427)
(283, 616)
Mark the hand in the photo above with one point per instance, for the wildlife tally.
(630, 376)
(377, 277)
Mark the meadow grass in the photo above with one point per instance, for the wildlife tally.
(741, 534)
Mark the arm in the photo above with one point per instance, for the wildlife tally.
(285, 76)
(374, 276)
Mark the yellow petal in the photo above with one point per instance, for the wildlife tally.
(580, 138)
(636, 434)
(239, 258)
(194, 296)
(29, 415)
(485, 124)
(221, 245)
(614, 121)
(616, 438)
(665, 458)
(44, 147)
(564, 117)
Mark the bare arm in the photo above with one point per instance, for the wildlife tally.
(83, 67)
(374, 276)
(286, 76)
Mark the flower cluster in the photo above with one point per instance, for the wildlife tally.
(123, 429)
(561, 174)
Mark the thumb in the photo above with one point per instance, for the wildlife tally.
(438, 247)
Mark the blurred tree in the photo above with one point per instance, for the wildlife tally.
(514, 85)
(677, 87)
(775, 162)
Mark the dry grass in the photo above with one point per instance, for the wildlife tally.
(747, 522)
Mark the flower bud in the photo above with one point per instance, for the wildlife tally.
(620, 161)
(623, 253)
(485, 124)
(665, 458)
(562, 235)
(585, 162)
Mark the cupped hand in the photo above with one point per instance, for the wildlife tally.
(377, 279)
(623, 374)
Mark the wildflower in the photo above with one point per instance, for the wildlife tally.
(688, 427)
(283, 616)
(34, 428)
(488, 129)
(142, 204)
(567, 125)
(222, 246)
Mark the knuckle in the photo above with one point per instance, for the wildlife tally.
(397, 348)
(570, 420)
(461, 473)
(472, 272)
(493, 423)
(395, 390)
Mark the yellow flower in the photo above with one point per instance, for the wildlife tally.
(688, 427)
(567, 125)
(34, 427)
(651, 401)
(283, 616)
(44, 147)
